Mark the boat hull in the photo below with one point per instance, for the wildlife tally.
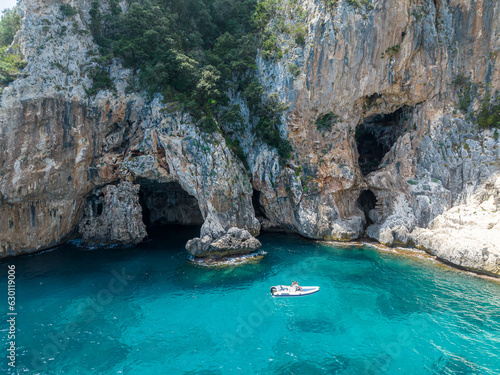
(288, 291)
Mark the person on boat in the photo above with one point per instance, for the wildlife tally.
(296, 286)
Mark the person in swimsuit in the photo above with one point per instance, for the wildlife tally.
(296, 285)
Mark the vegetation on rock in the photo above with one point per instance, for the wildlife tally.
(466, 92)
(489, 113)
(362, 5)
(11, 65)
(391, 51)
(270, 112)
(11, 62)
(192, 52)
(9, 25)
(67, 10)
(330, 4)
(326, 121)
(189, 51)
(294, 70)
(285, 17)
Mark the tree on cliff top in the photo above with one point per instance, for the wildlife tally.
(10, 61)
(192, 52)
(9, 25)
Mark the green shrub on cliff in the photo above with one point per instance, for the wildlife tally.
(9, 25)
(187, 50)
(360, 4)
(101, 80)
(270, 47)
(270, 113)
(466, 92)
(264, 12)
(326, 121)
(391, 51)
(273, 17)
(330, 4)
(294, 70)
(489, 113)
(192, 52)
(10, 66)
(235, 146)
(232, 118)
(67, 10)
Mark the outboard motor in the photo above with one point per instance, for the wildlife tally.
(273, 289)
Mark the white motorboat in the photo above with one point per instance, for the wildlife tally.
(293, 291)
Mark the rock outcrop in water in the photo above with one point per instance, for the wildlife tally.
(396, 159)
(235, 241)
(468, 234)
(113, 216)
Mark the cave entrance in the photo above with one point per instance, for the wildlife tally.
(257, 207)
(376, 135)
(167, 204)
(367, 202)
(266, 224)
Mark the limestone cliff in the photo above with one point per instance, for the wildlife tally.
(61, 146)
(389, 72)
(397, 160)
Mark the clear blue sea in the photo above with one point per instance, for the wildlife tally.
(149, 310)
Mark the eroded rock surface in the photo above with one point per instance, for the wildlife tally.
(235, 241)
(468, 234)
(114, 216)
(405, 98)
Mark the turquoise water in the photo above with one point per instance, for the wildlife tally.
(376, 313)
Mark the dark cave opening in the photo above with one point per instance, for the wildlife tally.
(167, 204)
(146, 215)
(257, 206)
(375, 137)
(95, 204)
(367, 202)
(99, 208)
(266, 224)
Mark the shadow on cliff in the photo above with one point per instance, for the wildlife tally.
(376, 136)
(166, 204)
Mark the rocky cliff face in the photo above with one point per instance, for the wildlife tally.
(114, 215)
(396, 161)
(390, 75)
(61, 147)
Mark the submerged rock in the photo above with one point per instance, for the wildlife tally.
(230, 260)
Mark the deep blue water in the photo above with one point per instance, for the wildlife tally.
(376, 312)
